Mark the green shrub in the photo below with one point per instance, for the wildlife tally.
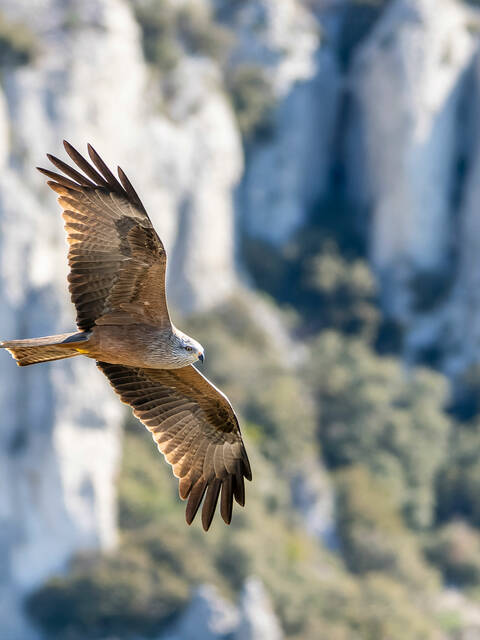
(119, 594)
(382, 432)
(374, 413)
(386, 609)
(148, 580)
(168, 32)
(157, 20)
(322, 272)
(18, 45)
(345, 291)
(455, 550)
(458, 481)
(253, 100)
(200, 35)
(373, 535)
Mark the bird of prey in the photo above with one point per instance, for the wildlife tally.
(117, 284)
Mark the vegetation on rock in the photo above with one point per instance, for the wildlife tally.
(18, 45)
(403, 460)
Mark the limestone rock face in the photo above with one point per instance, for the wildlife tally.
(207, 164)
(207, 617)
(457, 323)
(183, 153)
(313, 496)
(60, 434)
(287, 171)
(178, 141)
(210, 617)
(413, 63)
(282, 38)
(60, 438)
(258, 620)
(287, 174)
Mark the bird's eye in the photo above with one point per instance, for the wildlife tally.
(189, 348)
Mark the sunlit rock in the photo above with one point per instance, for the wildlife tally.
(208, 617)
(288, 166)
(60, 435)
(258, 620)
(407, 81)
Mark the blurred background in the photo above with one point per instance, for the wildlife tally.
(313, 167)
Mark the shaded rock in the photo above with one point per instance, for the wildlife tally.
(207, 617)
(457, 322)
(414, 61)
(178, 141)
(313, 497)
(286, 175)
(258, 620)
(60, 436)
(281, 38)
(287, 171)
(210, 617)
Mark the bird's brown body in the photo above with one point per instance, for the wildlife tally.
(136, 345)
(117, 283)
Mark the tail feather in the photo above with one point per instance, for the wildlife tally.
(45, 349)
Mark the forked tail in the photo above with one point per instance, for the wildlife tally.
(45, 349)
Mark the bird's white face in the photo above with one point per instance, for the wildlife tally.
(189, 350)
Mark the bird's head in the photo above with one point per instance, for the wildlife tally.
(188, 349)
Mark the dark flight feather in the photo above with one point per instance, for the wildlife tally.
(113, 246)
(194, 425)
(117, 278)
(112, 182)
(84, 165)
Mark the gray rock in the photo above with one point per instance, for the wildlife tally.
(60, 439)
(208, 617)
(258, 620)
(288, 172)
(457, 324)
(183, 153)
(282, 38)
(313, 497)
(407, 82)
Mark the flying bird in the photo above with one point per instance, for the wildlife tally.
(117, 284)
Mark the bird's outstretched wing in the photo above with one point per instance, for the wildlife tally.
(117, 261)
(194, 427)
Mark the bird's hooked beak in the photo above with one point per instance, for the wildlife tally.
(201, 356)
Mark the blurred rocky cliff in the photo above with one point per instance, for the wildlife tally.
(235, 129)
(77, 71)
